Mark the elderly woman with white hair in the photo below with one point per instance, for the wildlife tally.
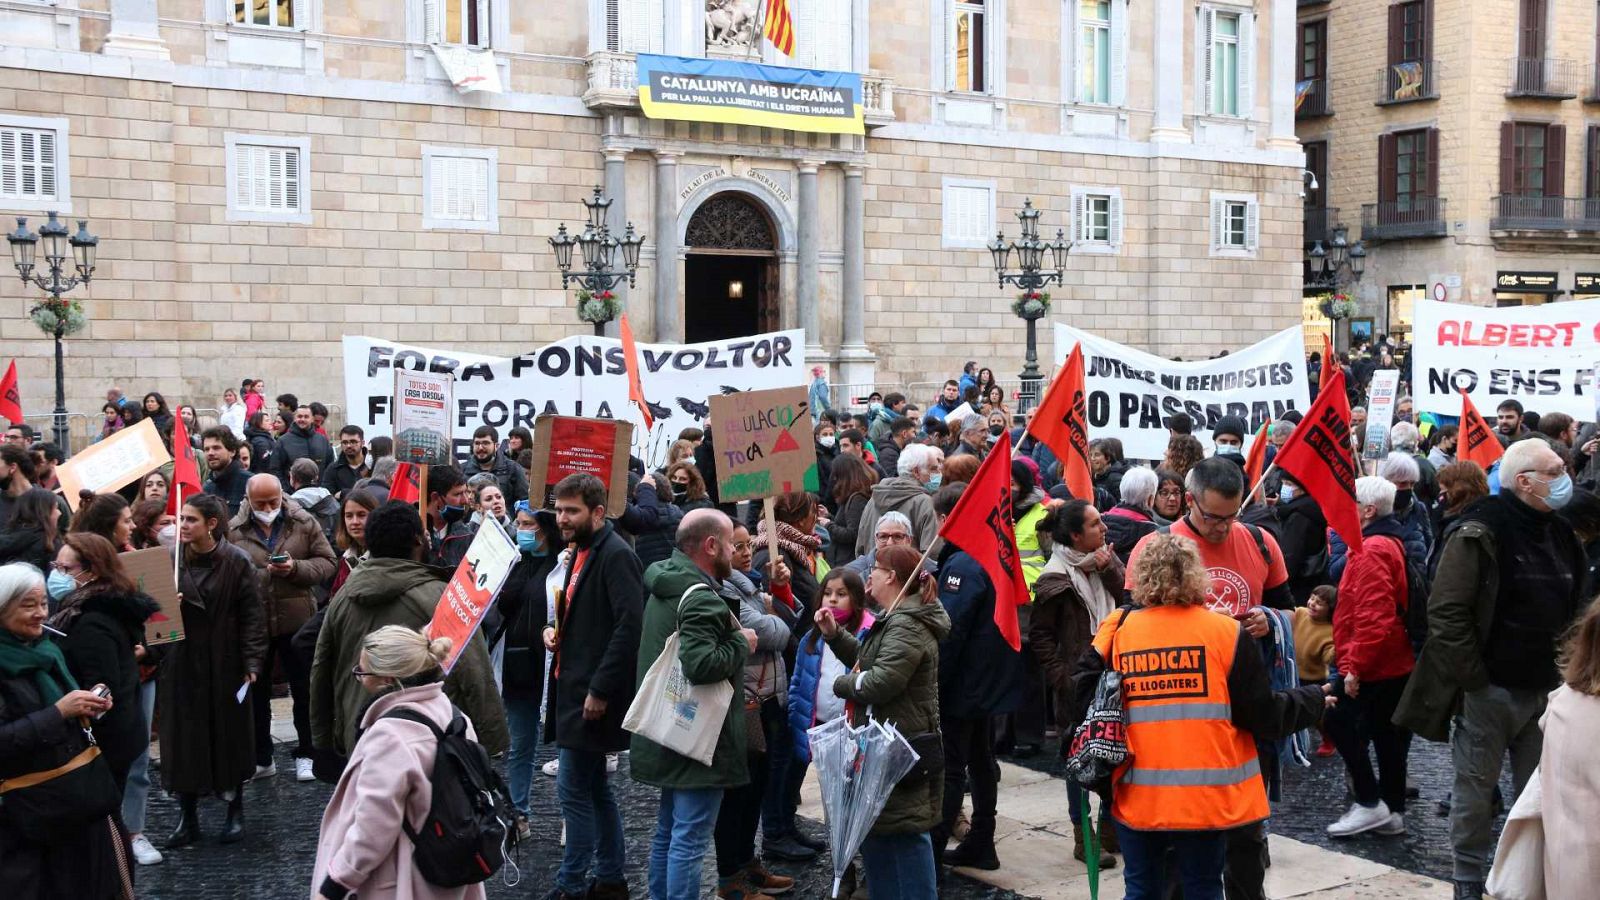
(44, 721)
(1375, 660)
(1399, 469)
(1132, 518)
(1405, 438)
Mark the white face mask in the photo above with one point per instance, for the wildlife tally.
(168, 536)
(827, 440)
(266, 518)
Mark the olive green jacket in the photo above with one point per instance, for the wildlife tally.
(1460, 612)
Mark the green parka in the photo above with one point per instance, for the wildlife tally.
(711, 649)
(899, 679)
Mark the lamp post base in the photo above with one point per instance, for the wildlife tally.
(1030, 375)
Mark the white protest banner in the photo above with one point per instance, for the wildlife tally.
(576, 376)
(1542, 356)
(1133, 394)
(422, 417)
(1380, 411)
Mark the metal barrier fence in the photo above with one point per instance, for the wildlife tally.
(84, 429)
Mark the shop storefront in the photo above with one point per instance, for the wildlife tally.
(1316, 326)
(1402, 302)
(1586, 286)
(1526, 288)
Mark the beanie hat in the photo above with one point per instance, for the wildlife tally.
(1023, 475)
(1229, 425)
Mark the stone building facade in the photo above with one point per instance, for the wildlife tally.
(1461, 141)
(269, 175)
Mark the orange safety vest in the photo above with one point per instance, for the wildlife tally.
(1191, 769)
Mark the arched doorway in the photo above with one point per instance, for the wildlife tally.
(730, 270)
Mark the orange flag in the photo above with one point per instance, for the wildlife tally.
(982, 525)
(1477, 442)
(1257, 457)
(185, 474)
(1062, 422)
(630, 358)
(10, 397)
(1317, 457)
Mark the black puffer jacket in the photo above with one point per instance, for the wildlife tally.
(99, 650)
(26, 545)
(300, 443)
(1110, 480)
(263, 447)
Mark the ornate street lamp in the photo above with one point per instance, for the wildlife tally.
(1031, 278)
(54, 315)
(597, 250)
(1334, 270)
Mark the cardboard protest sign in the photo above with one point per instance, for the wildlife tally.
(1542, 356)
(473, 588)
(764, 444)
(120, 459)
(577, 376)
(1380, 412)
(566, 445)
(422, 417)
(151, 572)
(1132, 395)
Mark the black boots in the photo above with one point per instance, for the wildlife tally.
(1469, 890)
(976, 851)
(188, 828)
(233, 828)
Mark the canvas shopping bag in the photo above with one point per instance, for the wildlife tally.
(1518, 872)
(682, 717)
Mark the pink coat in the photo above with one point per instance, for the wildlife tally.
(362, 845)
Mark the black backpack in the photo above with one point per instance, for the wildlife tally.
(464, 838)
(1415, 613)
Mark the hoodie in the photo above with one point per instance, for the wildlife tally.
(322, 505)
(392, 592)
(903, 494)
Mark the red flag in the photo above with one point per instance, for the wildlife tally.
(405, 487)
(1328, 362)
(1476, 442)
(780, 27)
(981, 524)
(10, 398)
(1317, 456)
(185, 474)
(1062, 423)
(1257, 458)
(630, 359)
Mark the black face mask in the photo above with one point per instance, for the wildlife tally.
(996, 429)
(1403, 500)
(452, 514)
(679, 494)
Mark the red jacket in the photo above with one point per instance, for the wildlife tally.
(1369, 636)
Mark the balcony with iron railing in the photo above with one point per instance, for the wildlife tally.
(1558, 214)
(1319, 222)
(1408, 82)
(1315, 103)
(1417, 217)
(614, 82)
(1543, 78)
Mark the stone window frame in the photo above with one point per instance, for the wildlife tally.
(984, 109)
(222, 27)
(422, 68)
(980, 242)
(62, 202)
(301, 143)
(1070, 51)
(1220, 200)
(1207, 13)
(1115, 214)
(430, 219)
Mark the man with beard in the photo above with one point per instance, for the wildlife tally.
(595, 647)
(300, 441)
(486, 457)
(225, 478)
(712, 648)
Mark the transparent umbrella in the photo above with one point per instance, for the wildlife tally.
(857, 769)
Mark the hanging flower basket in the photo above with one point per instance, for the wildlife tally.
(1031, 305)
(52, 313)
(1338, 306)
(598, 307)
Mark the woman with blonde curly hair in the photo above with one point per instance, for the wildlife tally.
(1195, 699)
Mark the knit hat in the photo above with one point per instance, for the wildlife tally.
(1229, 425)
(1022, 474)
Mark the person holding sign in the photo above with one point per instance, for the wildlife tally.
(207, 734)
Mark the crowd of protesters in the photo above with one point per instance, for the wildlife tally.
(295, 567)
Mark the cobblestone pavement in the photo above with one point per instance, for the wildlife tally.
(282, 819)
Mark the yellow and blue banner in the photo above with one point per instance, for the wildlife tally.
(741, 93)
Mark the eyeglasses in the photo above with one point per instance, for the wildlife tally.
(888, 572)
(1170, 495)
(66, 569)
(1215, 519)
(358, 673)
(891, 537)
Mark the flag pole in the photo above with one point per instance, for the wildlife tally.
(1250, 497)
(757, 30)
(915, 576)
(177, 546)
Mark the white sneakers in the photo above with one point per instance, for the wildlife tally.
(144, 853)
(302, 770)
(270, 770)
(1361, 819)
(611, 763)
(1395, 827)
(553, 766)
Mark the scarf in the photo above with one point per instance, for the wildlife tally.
(794, 541)
(40, 660)
(1080, 569)
(68, 611)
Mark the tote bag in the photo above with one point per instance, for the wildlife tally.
(1100, 743)
(1518, 872)
(682, 717)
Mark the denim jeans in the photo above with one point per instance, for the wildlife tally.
(1198, 854)
(684, 825)
(522, 717)
(137, 791)
(594, 823)
(900, 866)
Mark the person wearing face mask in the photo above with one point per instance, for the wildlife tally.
(688, 487)
(1400, 469)
(1227, 437)
(826, 436)
(1303, 537)
(292, 557)
(1510, 581)
(449, 531)
(908, 494)
(16, 479)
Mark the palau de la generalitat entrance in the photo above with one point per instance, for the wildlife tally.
(730, 270)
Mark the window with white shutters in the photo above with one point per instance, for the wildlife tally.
(823, 34)
(967, 62)
(268, 178)
(634, 26)
(968, 213)
(1227, 61)
(460, 188)
(292, 14)
(1235, 225)
(31, 164)
(464, 22)
(1096, 219)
